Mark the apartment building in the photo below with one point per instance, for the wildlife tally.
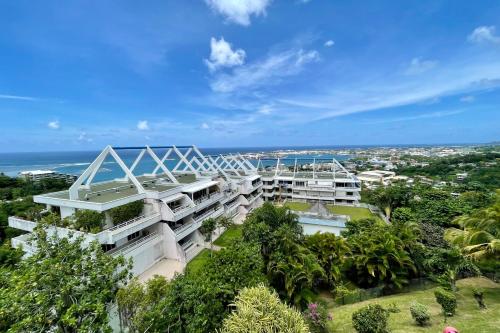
(38, 175)
(324, 180)
(183, 189)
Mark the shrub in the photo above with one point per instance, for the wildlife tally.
(420, 313)
(478, 296)
(447, 300)
(126, 212)
(370, 319)
(88, 220)
(316, 317)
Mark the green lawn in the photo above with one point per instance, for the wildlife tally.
(468, 319)
(355, 213)
(197, 263)
(298, 206)
(231, 234)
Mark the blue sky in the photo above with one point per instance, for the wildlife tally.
(78, 75)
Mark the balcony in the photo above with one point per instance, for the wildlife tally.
(141, 242)
(207, 200)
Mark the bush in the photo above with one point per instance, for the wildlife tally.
(447, 300)
(126, 212)
(88, 220)
(371, 319)
(478, 296)
(316, 317)
(420, 313)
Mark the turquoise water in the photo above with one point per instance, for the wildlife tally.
(338, 222)
(76, 162)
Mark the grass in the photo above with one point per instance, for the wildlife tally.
(197, 263)
(230, 235)
(468, 319)
(355, 213)
(298, 206)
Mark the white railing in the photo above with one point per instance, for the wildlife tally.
(187, 245)
(123, 224)
(183, 228)
(206, 197)
(180, 208)
(233, 205)
(134, 245)
(202, 216)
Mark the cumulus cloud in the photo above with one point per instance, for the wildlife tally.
(329, 43)
(467, 99)
(265, 109)
(205, 126)
(484, 34)
(222, 55)
(419, 66)
(84, 137)
(268, 71)
(142, 125)
(54, 124)
(239, 11)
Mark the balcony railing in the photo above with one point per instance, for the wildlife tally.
(206, 197)
(134, 245)
(204, 215)
(124, 224)
(180, 208)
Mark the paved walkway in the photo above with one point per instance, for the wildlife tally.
(165, 267)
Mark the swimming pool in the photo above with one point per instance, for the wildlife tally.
(313, 224)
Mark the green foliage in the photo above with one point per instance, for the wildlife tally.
(358, 226)
(379, 256)
(420, 313)
(9, 257)
(126, 212)
(63, 287)
(15, 188)
(259, 310)
(478, 294)
(207, 228)
(447, 300)
(371, 319)
(331, 252)
(87, 220)
(136, 302)
(479, 233)
(195, 302)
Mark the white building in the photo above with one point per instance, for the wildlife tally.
(37, 175)
(322, 180)
(176, 202)
(374, 178)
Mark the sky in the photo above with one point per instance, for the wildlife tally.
(79, 75)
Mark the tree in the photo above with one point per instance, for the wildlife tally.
(331, 252)
(391, 197)
(260, 310)
(479, 236)
(64, 286)
(207, 228)
(225, 222)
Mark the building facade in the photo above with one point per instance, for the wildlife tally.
(184, 189)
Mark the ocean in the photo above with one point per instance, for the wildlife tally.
(75, 162)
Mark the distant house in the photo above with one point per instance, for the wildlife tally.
(38, 175)
(374, 178)
(462, 176)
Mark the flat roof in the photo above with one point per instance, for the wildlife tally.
(198, 186)
(118, 189)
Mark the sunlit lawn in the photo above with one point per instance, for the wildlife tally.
(197, 263)
(468, 319)
(355, 213)
(298, 206)
(231, 234)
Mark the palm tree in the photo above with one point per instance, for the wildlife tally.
(479, 236)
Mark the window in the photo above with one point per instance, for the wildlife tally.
(349, 193)
(133, 236)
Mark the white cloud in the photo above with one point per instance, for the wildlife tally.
(484, 34)
(329, 43)
(142, 125)
(437, 114)
(222, 55)
(265, 109)
(467, 99)
(54, 124)
(205, 126)
(17, 97)
(84, 137)
(268, 71)
(239, 11)
(419, 66)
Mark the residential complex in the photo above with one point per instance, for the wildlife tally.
(38, 175)
(323, 180)
(183, 189)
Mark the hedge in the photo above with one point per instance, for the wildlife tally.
(126, 212)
